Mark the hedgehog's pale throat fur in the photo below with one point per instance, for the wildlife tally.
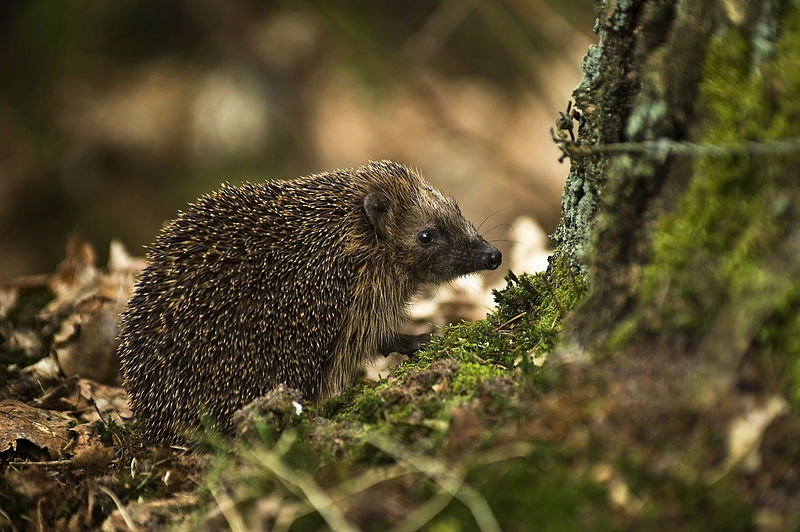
(297, 282)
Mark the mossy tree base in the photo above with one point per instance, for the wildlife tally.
(691, 323)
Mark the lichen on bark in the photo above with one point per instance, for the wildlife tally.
(607, 83)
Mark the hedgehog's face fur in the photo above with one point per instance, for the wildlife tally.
(426, 233)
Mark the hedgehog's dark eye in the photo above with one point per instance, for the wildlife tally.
(425, 236)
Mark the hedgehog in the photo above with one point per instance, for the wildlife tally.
(297, 282)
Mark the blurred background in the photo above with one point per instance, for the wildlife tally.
(114, 115)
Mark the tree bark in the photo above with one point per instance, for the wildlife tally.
(691, 245)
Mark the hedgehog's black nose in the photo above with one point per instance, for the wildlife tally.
(492, 257)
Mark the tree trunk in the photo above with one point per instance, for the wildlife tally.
(691, 245)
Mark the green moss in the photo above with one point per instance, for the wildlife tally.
(623, 333)
(778, 338)
(470, 374)
(368, 406)
(107, 430)
(337, 404)
(527, 323)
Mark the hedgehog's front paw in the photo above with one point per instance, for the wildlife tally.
(405, 344)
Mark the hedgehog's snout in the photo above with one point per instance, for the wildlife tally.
(492, 258)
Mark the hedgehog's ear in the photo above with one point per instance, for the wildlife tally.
(377, 206)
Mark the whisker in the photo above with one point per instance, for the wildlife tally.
(488, 231)
(507, 240)
(489, 216)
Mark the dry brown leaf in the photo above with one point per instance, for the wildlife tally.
(75, 272)
(85, 312)
(108, 400)
(93, 457)
(85, 344)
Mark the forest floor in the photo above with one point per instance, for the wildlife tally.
(484, 430)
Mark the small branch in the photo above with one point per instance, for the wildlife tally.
(507, 322)
(46, 463)
(661, 148)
